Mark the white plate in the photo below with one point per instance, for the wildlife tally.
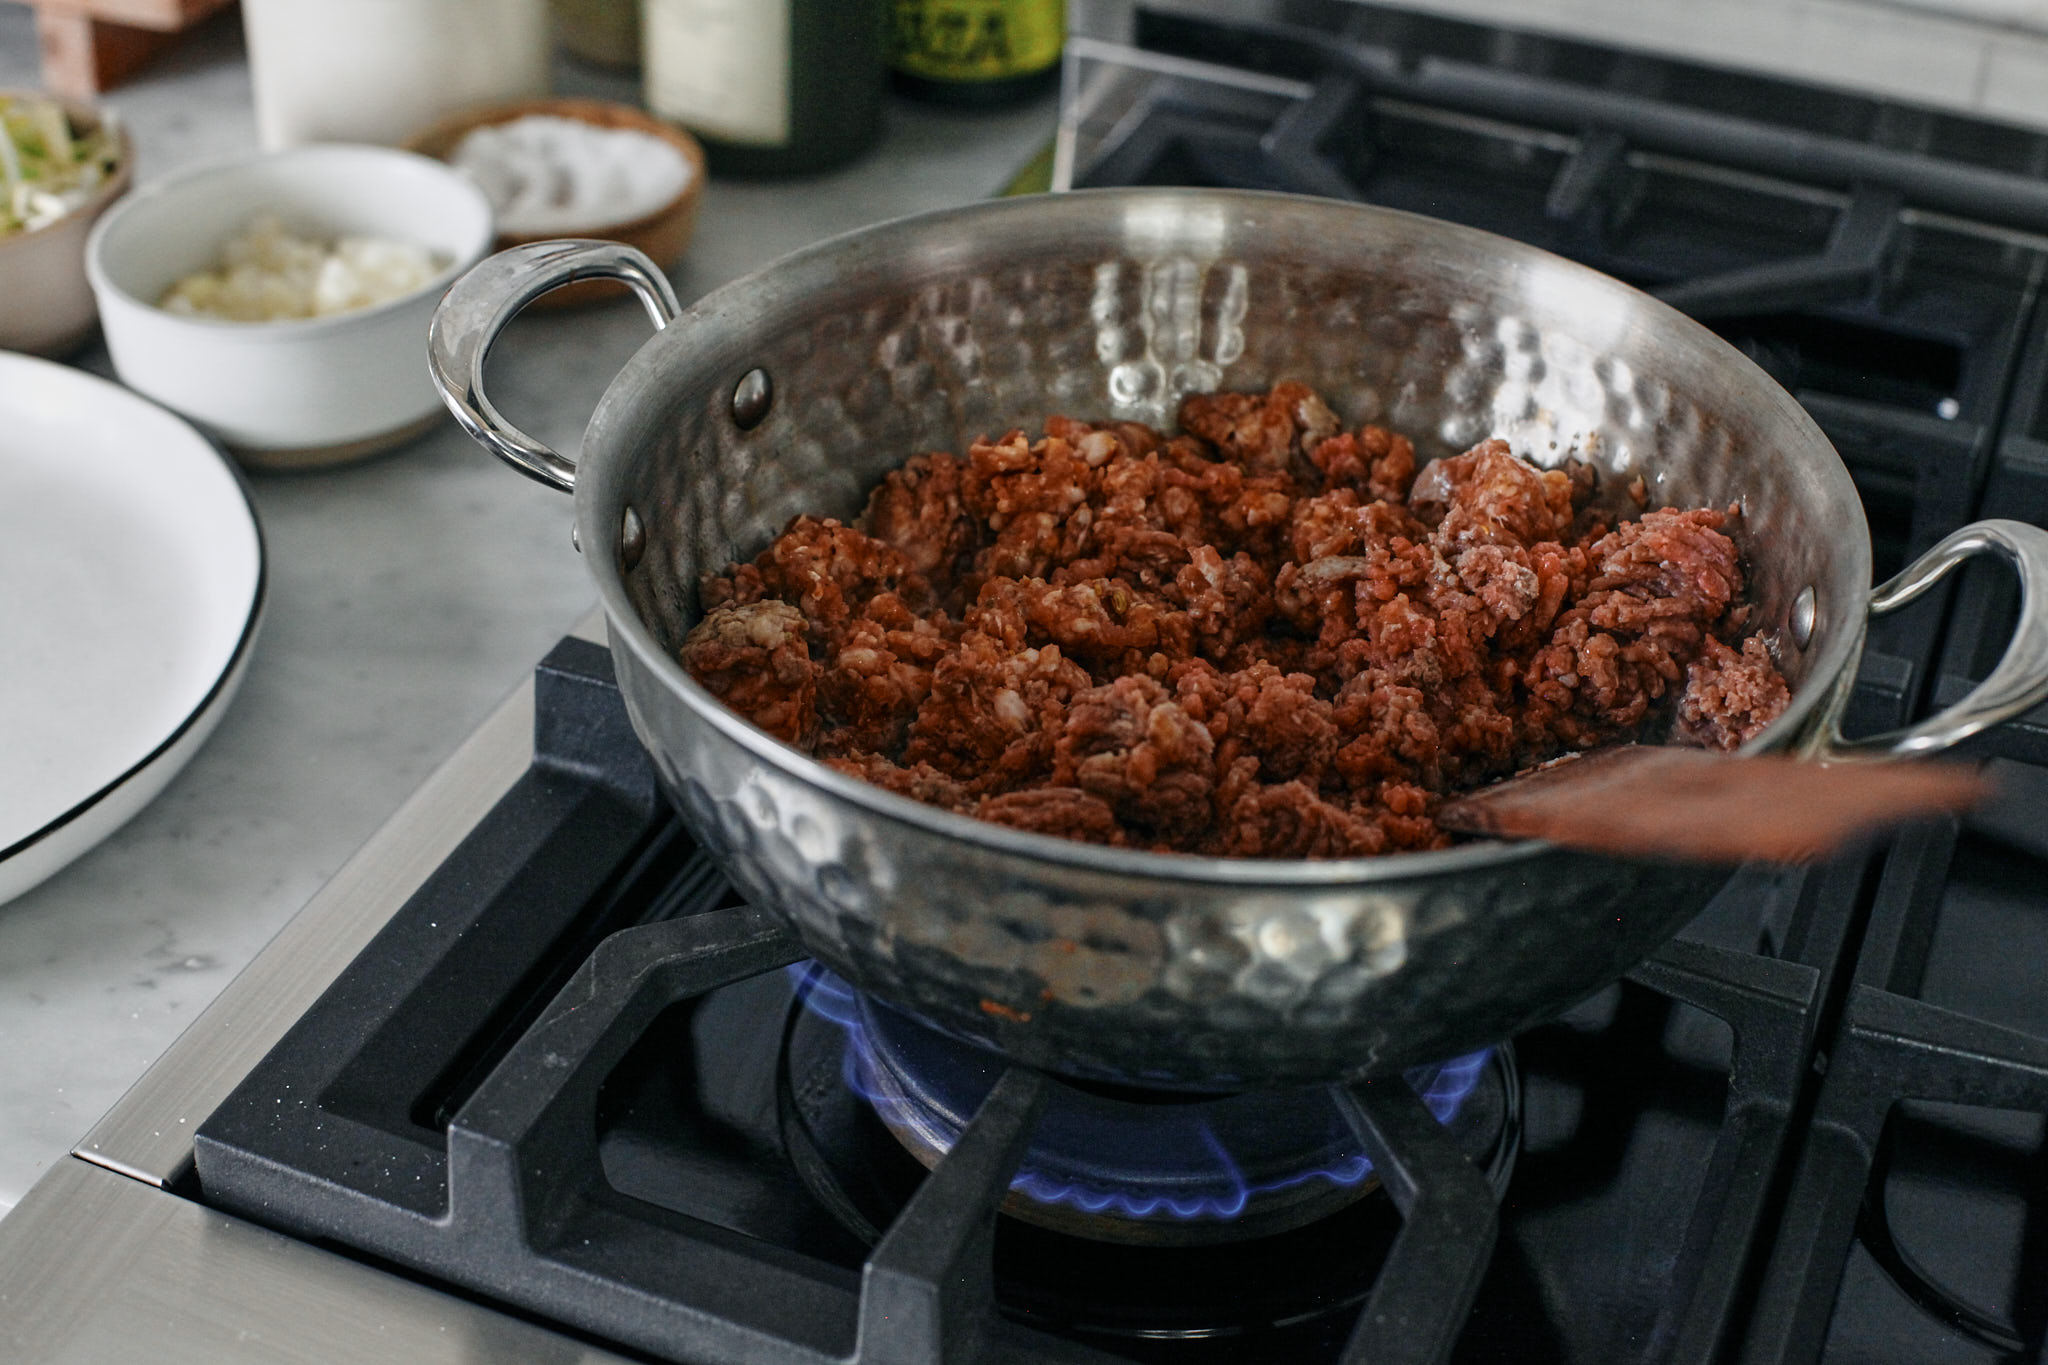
(131, 583)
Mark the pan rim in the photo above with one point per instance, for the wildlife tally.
(599, 530)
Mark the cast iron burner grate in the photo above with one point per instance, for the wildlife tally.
(1270, 1274)
(326, 1138)
(1106, 1163)
(609, 1151)
(1927, 1152)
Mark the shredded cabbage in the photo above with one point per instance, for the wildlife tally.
(47, 169)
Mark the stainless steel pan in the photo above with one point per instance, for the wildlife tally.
(795, 389)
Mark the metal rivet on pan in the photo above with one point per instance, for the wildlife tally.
(751, 399)
(632, 540)
(1802, 616)
(575, 538)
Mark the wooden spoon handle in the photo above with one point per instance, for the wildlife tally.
(1691, 805)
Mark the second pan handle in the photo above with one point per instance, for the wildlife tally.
(2018, 683)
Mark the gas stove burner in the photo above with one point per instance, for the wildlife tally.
(1139, 1167)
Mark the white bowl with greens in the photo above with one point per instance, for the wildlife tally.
(61, 165)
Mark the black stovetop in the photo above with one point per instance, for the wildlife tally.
(576, 1078)
(571, 1076)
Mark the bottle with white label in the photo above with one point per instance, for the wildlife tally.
(771, 87)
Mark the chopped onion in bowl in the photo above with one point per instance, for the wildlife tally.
(269, 275)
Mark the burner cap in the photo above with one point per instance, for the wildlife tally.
(1135, 1166)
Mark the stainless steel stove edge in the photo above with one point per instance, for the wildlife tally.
(148, 1133)
(101, 1262)
(96, 1268)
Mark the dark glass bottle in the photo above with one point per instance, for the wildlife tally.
(606, 32)
(771, 87)
(979, 52)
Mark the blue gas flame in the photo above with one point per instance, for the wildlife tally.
(1443, 1090)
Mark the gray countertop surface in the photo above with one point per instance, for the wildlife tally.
(407, 596)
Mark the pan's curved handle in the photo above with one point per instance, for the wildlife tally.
(2018, 683)
(477, 307)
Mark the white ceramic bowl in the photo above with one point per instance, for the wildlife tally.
(307, 391)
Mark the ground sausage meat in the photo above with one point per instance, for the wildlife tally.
(1263, 637)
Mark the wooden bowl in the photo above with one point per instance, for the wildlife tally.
(662, 235)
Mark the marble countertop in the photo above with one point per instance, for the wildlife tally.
(408, 595)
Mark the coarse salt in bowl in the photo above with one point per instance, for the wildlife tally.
(662, 234)
(303, 390)
(547, 173)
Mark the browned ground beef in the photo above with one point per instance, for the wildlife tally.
(1264, 637)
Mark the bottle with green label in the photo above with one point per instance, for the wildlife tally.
(770, 87)
(976, 51)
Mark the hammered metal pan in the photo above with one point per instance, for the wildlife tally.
(795, 389)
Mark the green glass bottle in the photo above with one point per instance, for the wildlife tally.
(771, 87)
(976, 51)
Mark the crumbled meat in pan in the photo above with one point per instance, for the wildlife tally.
(754, 659)
(1728, 696)
(1264, 637)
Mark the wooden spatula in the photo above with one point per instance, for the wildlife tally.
(1693, 805)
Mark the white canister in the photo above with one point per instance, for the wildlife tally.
(379, 70)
